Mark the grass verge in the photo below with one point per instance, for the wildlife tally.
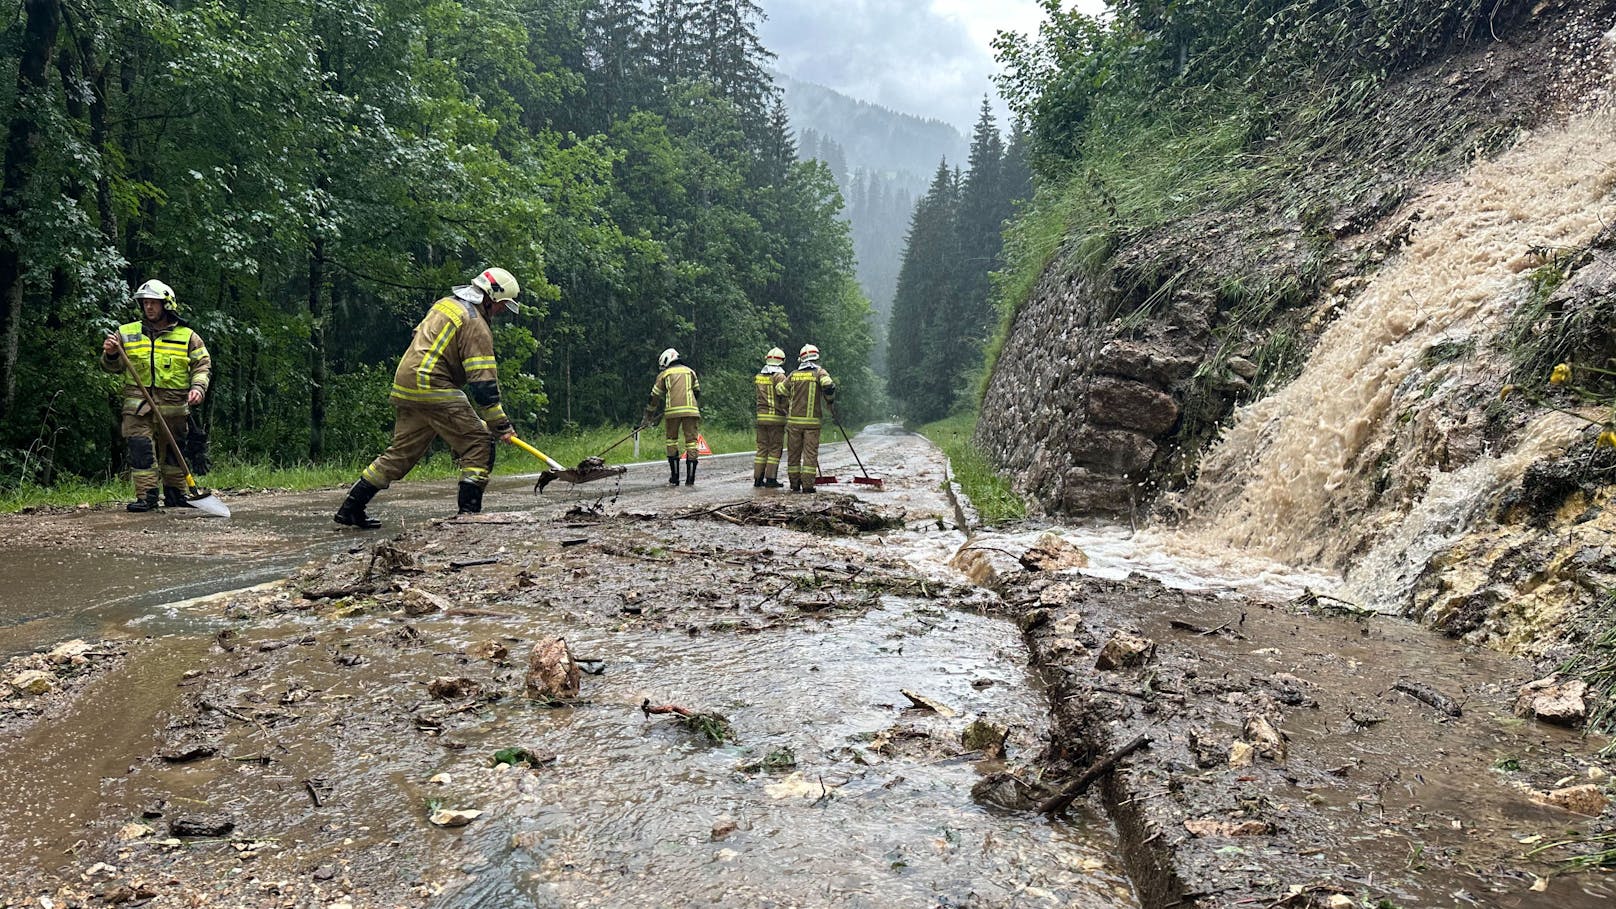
(988, 489)
(230, 475)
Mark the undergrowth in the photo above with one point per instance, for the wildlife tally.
(1277, 110)
(989, 490)
(1595, 664)
(232, 476)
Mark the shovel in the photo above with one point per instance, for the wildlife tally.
(590, 469)
(195, 496)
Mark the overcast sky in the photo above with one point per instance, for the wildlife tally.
(933, 58)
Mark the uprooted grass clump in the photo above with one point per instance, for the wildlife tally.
(714, 727)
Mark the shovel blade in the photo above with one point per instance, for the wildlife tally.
(571, 475)
(207, 503)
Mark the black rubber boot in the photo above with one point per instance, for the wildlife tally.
(148, 502)
(757, 482)
(352, 512)
(174, 498)
(690, 472)
(471, 498)
(772, 483)
(673, 470)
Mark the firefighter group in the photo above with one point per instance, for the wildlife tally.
(446, 386)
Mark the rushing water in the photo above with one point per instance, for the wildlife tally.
(1289, 479)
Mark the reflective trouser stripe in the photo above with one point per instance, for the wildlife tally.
(766, 462)
(802, 454)
(672, 427)
(415, 425)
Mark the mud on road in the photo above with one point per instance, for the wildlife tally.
(889, 728)
(293, 745)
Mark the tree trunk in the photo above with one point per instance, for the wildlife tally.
(97, 74)
(44, 20)
(317, 366)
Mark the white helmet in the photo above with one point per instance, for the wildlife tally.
(774, 357)
(499, 284)
(157, 290)
(808, 352)
(667, 358)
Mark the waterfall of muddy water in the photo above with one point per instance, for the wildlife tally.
(1289, 474)
(1384, 578)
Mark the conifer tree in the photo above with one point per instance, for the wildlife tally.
(916, 338)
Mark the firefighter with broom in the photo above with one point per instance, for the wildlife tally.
(809, 390)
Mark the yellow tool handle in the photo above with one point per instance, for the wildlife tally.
(535, 453)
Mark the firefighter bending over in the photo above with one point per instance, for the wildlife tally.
(452, 347)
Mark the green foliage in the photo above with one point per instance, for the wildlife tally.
(311, 176)
(1545, 331)
(995, 500)
(244, 476)
(1163, 110)
(1595, 664)
(942, 312)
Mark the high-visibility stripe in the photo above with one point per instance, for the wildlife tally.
(423, 373)
(473, 364)
(406, 393)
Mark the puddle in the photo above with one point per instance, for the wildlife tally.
(849, 833)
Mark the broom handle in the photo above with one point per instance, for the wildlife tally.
(838, 418)
(168, 434)
(535, 453)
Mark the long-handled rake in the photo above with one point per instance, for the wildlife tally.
(195, 496)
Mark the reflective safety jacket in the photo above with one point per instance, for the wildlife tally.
(171, 359)
(674, 392)
(771, 400)
(807, 390)
(452, 347)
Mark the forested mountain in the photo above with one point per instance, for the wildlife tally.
(310, 175)
(943, 312)
(880, 158)
(873, 137)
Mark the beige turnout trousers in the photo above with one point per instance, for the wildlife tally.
(414, 428)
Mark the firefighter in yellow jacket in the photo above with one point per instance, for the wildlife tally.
(771, 420)
(674, 393)
(809, 390)
(452, 347)
(170, 360)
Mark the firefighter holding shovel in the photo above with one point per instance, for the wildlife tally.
(166, 368)
(452, 349)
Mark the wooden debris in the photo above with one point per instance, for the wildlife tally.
(1426, 694)
(926, 703)
(1096, 770)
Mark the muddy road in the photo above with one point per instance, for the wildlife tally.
(782, 701)
(288, 744)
